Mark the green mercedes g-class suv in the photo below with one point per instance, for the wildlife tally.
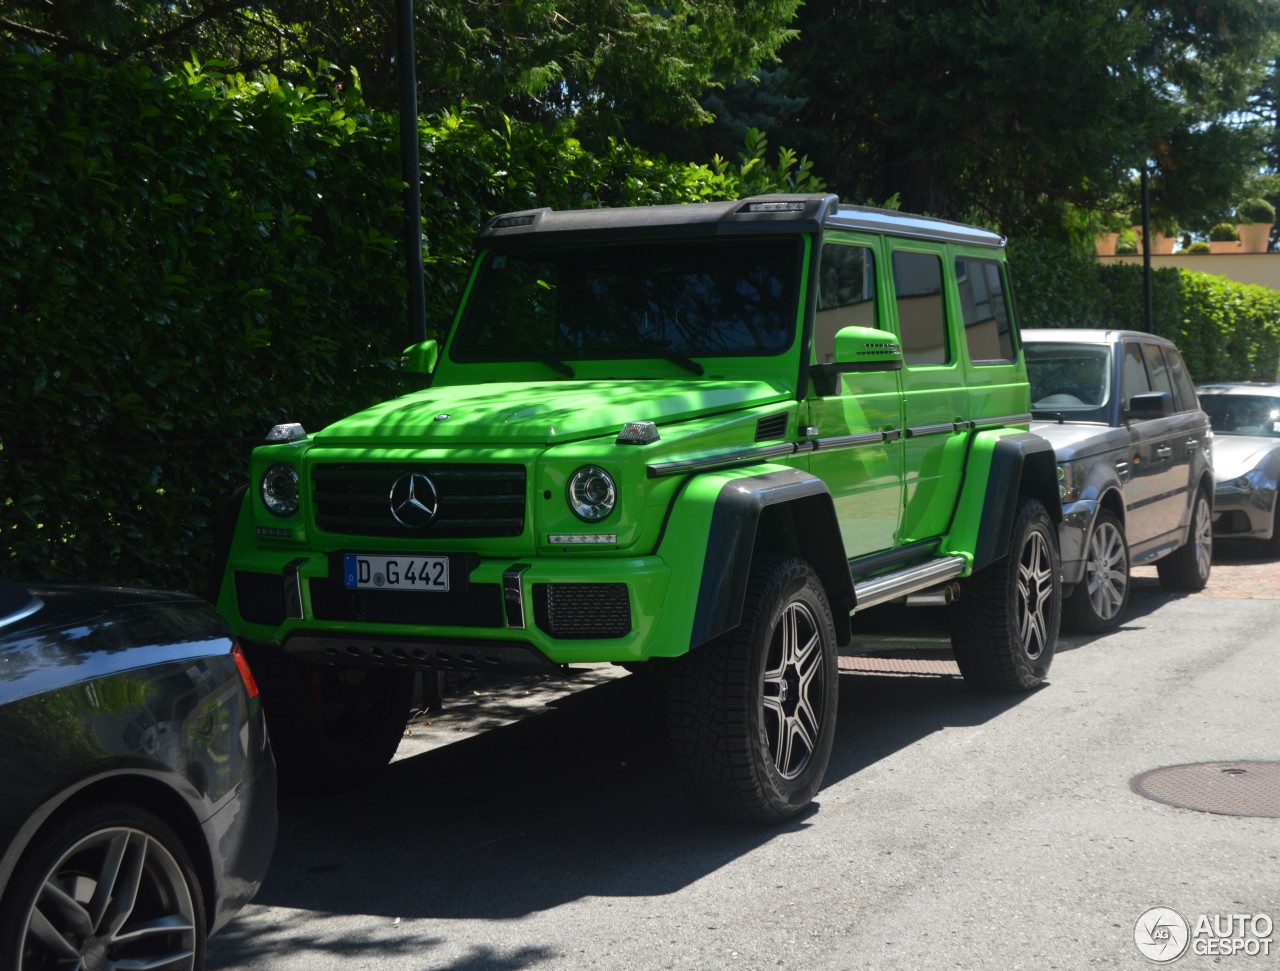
(693, 439)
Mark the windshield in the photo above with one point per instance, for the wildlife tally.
(711, 298)
(1243, 414)
(1071, 381)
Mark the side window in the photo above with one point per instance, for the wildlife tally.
(922, 320)
(1133, 378)
(846, 294)
(1183, 389)
(985, 305)
(1160, 378)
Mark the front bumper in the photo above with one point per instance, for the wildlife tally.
(1243, 510)
(505, 614)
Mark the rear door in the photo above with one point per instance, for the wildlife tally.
(1155, 495)
(935, 396)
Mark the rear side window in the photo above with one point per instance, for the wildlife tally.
(985, 306)
(1184, 391)
(1161, 380)
(922, 320)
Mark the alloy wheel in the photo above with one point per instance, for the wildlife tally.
(1034, 594)
(793, 699)
(116, 899)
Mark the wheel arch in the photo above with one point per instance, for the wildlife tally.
(141, 791)
(785, 511)
(1003, 465)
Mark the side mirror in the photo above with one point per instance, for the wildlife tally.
(420, 358)
(868, 348)
(1150, 404)
(857, 349)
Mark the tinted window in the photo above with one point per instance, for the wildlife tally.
(1183, 388)
(985, 307)
(922, 322)
(846, 294)
(1161, 380)
(1133, 376)
(706, 299)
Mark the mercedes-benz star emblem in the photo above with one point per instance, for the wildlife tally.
(413, 500)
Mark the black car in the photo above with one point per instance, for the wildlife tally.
(1134, 464)
(138, 808)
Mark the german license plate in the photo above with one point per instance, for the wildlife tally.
(363, 571)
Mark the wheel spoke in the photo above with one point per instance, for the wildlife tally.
(47, 934)
(108, 873)
(130, 880)
(70, 913)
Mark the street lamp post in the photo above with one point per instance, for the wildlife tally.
(407, 77)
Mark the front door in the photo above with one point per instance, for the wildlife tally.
(852, 413)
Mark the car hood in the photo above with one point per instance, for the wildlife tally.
(542, 413)
(1080, 440)
(1234, 455)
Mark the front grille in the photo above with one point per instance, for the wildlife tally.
(480, 605)
(472, 500)
(261, 597)
(582, 611)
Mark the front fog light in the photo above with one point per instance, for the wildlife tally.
(280, 490)
(592, 493)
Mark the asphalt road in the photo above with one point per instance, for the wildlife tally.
(527, 827)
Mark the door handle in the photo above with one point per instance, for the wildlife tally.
(1164, 451)
(1193, 442)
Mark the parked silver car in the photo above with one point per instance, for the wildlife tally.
(1134, 465)
(1246, 460)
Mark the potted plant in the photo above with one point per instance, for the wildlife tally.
(1111, 225)
(1256, 216)
(1164, 234)
(1223, 238)
(1200, 247)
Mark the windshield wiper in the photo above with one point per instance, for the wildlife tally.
(661, 349)
(1049, 416)
(552, 362)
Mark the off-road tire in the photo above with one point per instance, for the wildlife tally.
(751, 715)
(1099, 600)
(1004, 626)
(1187, 568)
(330, 727)
(138, 900)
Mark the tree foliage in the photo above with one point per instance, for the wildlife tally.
(1007, 110)
(598, 64)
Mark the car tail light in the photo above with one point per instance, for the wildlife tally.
(246, 675)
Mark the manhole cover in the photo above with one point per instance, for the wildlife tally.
(1226, 788)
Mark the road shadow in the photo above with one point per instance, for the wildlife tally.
(578, 800)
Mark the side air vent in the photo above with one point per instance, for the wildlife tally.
(771, 427)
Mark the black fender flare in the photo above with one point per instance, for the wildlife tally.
(789, 511)
(1022, 464)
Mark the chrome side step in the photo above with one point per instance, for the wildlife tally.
(913, 579)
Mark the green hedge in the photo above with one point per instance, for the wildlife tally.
(185, 261)
(1226, 330)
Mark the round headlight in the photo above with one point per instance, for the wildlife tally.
(592, 493)
(280, 490)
